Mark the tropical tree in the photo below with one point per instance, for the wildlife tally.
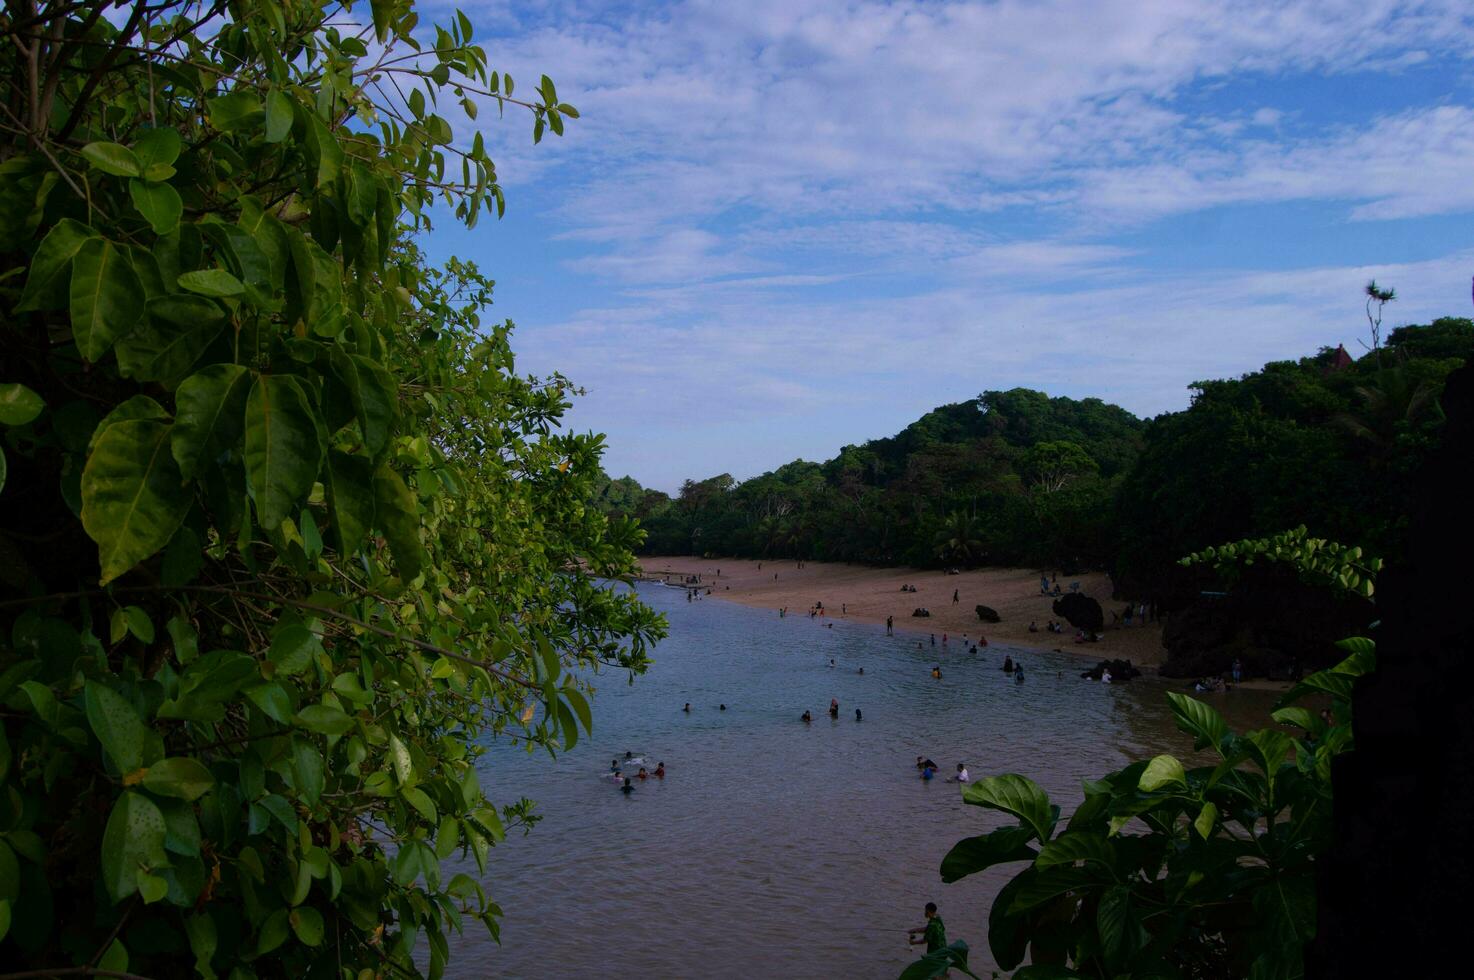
(285, 538)
(960, 537)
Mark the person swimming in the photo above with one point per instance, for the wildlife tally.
(928, 772)
(857, 714)
(660, 771)
(614, 765)
(1008, 665)
(806, 717)
(1018, 674)
(687, 708)
(834, 707)
(721, 707)
(936, 672)
(862, 670)
(642, 774)
(628, 787)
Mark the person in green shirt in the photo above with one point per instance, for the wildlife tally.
(934, 933)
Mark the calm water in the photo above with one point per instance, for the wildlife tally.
(774, 848)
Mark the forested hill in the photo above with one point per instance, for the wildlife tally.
(1008, 476)
(1017, 477)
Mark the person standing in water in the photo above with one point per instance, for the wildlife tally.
(857, 714)
(890, 626)
(834, 707)
(934, 933)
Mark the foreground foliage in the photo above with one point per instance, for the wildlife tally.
(283, 536)
(1165, 870)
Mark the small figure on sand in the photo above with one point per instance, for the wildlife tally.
(955, 600)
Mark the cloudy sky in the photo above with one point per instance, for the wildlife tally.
(781, 226)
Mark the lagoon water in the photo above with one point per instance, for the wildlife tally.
(775, 848)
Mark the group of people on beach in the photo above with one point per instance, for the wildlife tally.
(626, 783)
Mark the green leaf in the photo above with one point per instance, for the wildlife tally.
(133, 840)
(203, 942)
(112, 158)
(398, 515)
(279, 116)
(293, 646)
(237, 110)
(307, 761)
(382, 10)
(324, 719)
(106, 297)
(372, 391)
(1071, 847)
(307, 925)
(1015, 794)
(272, 699)
(1207, 820)
(51, 267)
(138, 623)
(1197, 719)
(973, 854)
(160, 145)
(171, 339)
(211, 282)
(116, 957)
(404, 769)
(117, 726)
(180, 776)
(137, 407)
(159, 203)
(133, 497)
(283, 451)
(212, 405)
(350, 489)
(1114, 922)
(18, 404)
(1163, 770)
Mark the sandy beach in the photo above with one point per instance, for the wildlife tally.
(869, 595)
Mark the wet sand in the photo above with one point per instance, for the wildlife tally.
(865, 594)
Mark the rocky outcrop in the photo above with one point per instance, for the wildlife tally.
(988, 614)
(1081, 611)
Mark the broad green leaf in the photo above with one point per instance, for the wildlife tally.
(237, 110)
(398, 516)
(117, 726)
(203, 941)
(422, 803)
(133, 497)
(211, 282)
(279, 116)
(176, 331)
(973, 854)
(180, 777)
(160, 145)
(133, 840)
(106, 297)
(350, 489)
(1205, 725)
(293, 646)
(1113, 920)
(212, 406)
(1050, 883)
(47, 282)
(1207, 820)
(307, 762)
(116, 957)
(1015, 794)
(1070, 847)
(1163, 770)
(112, 158)
(18, 404)
(137, 407)
(404, 769)
(272, 699)
(324, 719)
(159, 203)
(283, 450)
(139, 623)
(372, 390)
(382, 10)
(307, 925)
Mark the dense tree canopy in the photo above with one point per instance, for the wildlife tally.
(284, 538)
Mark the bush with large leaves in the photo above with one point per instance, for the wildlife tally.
(1167, 871)
(283, 536)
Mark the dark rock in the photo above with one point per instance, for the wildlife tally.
(1082, 612)
(1121, 670)
(988, 614)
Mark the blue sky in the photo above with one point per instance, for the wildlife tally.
(781, 227)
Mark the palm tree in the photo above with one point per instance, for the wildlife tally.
(1391, 402)
(960, 537)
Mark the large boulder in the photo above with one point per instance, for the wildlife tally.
(988, 614)
(1081, 611)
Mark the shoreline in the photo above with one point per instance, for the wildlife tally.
(865, 594)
